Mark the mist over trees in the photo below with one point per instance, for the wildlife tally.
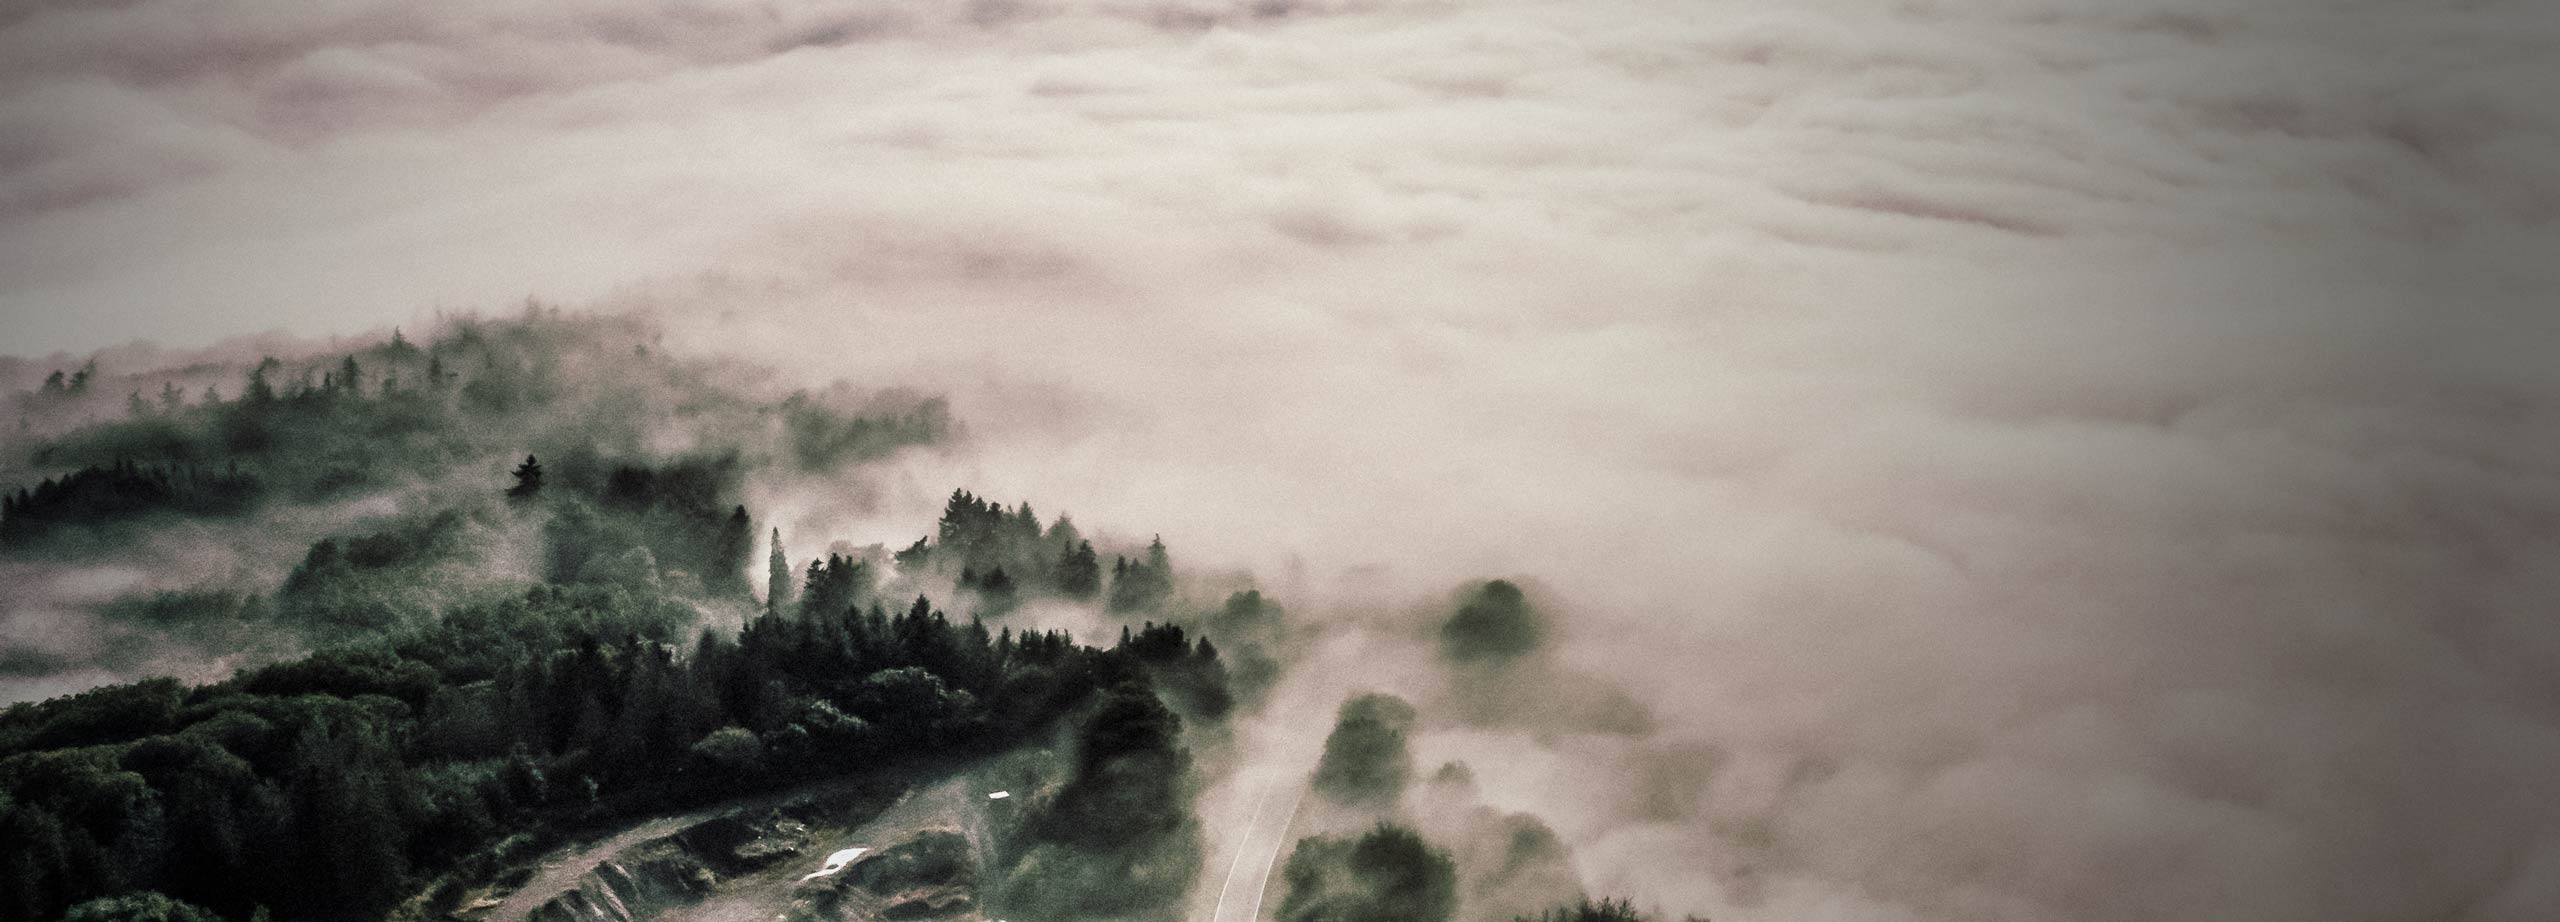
(1494, 626)
(336, 424)
(503, 591)
(1388, 874)
(526, 648)
(332, 786)
(1366, 762)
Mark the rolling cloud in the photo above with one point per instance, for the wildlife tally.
(2032, 459)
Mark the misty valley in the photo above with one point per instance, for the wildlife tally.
(502, 620)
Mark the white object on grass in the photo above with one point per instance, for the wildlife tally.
(836, 862)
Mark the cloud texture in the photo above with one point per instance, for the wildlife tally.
(2035, 459)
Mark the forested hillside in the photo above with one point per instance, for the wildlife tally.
(500, 588)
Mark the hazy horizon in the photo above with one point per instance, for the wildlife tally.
(2034, 459)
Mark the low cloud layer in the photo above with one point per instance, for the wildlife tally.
(2032, 459)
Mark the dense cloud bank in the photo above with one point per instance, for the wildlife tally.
(2032, 460)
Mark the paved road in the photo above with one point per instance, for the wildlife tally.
(1266, 832)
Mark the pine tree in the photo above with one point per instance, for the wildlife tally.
(528, 480)
(259, 391)
(734, 553)
(1079, 573)
(777, 588)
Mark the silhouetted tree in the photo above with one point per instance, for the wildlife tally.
(528, 480)
(1607, 910)
(1142, 585)
(777, 582)
(731, 554)
(1079, 572)
(260, 391)
(1495, 625)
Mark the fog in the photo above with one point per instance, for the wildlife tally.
(2032, 459)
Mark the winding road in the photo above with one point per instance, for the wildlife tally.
(1258, 849)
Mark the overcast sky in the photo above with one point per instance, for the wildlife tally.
(2069, 459)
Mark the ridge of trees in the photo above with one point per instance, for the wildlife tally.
(329, 426)
(1001, 553)
(329, 787)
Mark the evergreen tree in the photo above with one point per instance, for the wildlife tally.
(1388, 875)
(1079, 572)
(731, 555)
(777, 587)
(260, 392)
(1607, 910)
(528, 480)
(1142, 585)
(171, 398)
(915, 558)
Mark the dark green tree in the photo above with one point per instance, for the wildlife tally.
(1366, 761)
(731, 554)
(777, 583)
(260, 391)
(1607, 910)
(1079, 572)
(528, 480)
(1387, 875)
(1495, 625)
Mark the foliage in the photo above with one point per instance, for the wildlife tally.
(107, 494)
(1607, 910)
(137, 907)
(329, 426)
(325, 788)
(1386, 875)
(1366, 762)
(1495, 625)
(1117, 839)
(1144, 584)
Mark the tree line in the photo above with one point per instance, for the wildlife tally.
(332, 786)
